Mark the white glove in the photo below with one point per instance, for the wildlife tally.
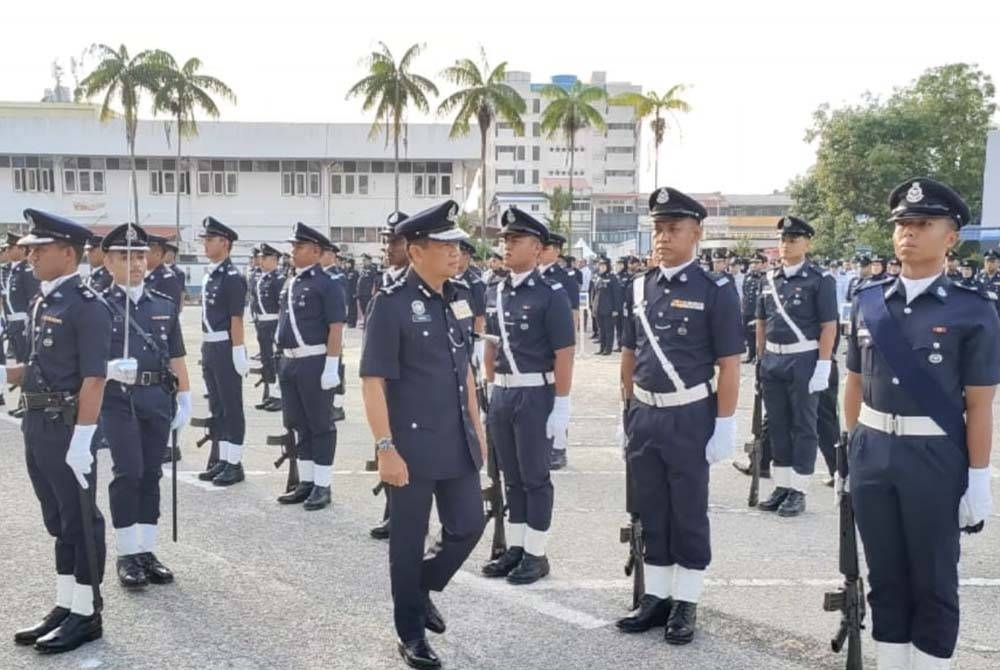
(240, 361)
(723, 440)
(123, 370)
(479, 353)
(331, 373)
(557, 425)
(79, 457)
(977, 503)
(820, 380)
(183, 410)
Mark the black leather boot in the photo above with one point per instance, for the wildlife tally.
(681, 624)
(231, 474)
(156, 572)
(503, 564)
(793, 505)
(297, 495)
(131, 573)
(774, 502)
(212, 472)
(76, 630)
(318, 498)
(529, 570)
(652, 612)
(49, 623)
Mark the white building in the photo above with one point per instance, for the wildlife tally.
(259, 178)
(523, 169)
(991, 182)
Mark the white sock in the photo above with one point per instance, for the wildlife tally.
(127, 540)
(64, 590)
(306, 470)
(147, 537)
(321, 475)
(83, 600)
(235, 454)
(275, 391)
(224, 451)
(659, 580)
(534, 541)
(338, 401)
(781, 475)
(923, 661)
(893, 656)
(688, 584)
(515, 534)
(799, 482)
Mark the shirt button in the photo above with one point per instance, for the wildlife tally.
(907, 310)
(461, 388)
(895, 381)
(425, 333)
(413, 425)
(666, 290)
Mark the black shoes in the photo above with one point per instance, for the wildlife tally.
(828, 482)
(49, 623)
(131, 573)
(558, 461)
(75, 630)
(297, 495)
(168, 454)
(318, 498)
(156, 572)
(212, 472)
(418, 654)
(681, 624)
(651, 613)
(774, 502)
(337, 414)
(433, 621)
(793, 505)
(529, 570)
(271, 405)
(765, 473)
(381, 531)
(504, 563)
(231, 474)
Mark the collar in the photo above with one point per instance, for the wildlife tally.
(542, 269)
(789, 271)
(910, 289)
(221, 265)
(413, 280)
(47, 287)
(135, 292)
(309, 271)
(396, 273)
(670, 273)
(515, 279)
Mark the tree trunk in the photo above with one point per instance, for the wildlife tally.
(177, 182)
(656, 151)
(483, 132)
(395, 168)
(130, 139)
(572, 164)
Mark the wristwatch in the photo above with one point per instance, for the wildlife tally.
(383, 445)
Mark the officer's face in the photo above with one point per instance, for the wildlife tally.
(719, 265)
(154, 257)
(435, 259)
(927, 240)
(521, 251)
(51, 261)
(216, 247)
(169, 256)
(793, 248)
(305, 254)
(967, 272)
(127, 268)
(992, 265)
(268, 263)
(674, 240)
(326, 260)
(95, 257)
(549, 254)
(395, 252)
(17, 254)
(877, 268)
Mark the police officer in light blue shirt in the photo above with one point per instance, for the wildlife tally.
(923, 360)
(420, 400)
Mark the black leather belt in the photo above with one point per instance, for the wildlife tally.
(150, 378)
(33, 401)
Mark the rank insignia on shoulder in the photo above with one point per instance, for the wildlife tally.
(556, 286)
(722, 281)
(86, 292)
(992, 295)
(233, 272)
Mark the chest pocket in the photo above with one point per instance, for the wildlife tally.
(798, 297)
(676, 327)
(937, 348)
(52, 332)
(525, 318)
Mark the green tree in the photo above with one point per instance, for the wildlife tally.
(936, 127)
(124, 78)
(184, 92)
(559, 202)
(483, 96)
(744, 246)
(658, 106)
(390, 88)
(569, 111)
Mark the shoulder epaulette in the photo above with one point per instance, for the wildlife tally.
(87, 292)
(159, 294)
(979, 290)
(459, 282)
(868, 283)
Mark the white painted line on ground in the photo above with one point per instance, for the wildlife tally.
(717, 582)
(516, 595)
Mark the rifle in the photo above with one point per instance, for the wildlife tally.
(260, 382)
(206, 423)
(849, 599)
(173, 483)
(492, 494)
(290, 453)
(755, 447)
(632, 535)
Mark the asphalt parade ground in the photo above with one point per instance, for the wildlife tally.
(262, 586)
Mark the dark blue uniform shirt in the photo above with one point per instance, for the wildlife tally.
(100, 279)
(695, 317)
(267, 292)
(318, 301)
(22, 288)
(71, 340)
(557, 274)
(809, 298)
(477, 291)
(225, 294)
(607, 291)
(539, 322)
(180, 275)
(420, 342)
(953, 330)
(163, 280)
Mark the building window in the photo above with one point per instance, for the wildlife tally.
(218, 177)
(536, 105)
(519, 177)
(536, 129)
(535, 208)
(621, 126)
(534, 176)
(536, 153)
(299, 178)
(520, 153)
(431, 178)
(164, 182)
(621, 150)
(505, 149)
(350, 177)
(83, 175)
(503, 173)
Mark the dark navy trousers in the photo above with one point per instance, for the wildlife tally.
(666, 461)
(517, 425)
(791, 409)
(905, 492)
(46, 441)
(308, 409)
(412, 571)
(265, 341)
(225, 392)
(828, 419)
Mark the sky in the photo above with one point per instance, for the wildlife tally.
(756, 71)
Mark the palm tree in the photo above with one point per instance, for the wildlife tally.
(651, 103)
(570, 111)
(183, 92)
(390, 88)
(125, 77)
(485, 97)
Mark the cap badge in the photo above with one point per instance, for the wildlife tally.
(453, 213)
(915, 194)
(511, 217)
(393, 217)
(663, 196)
(131, 235)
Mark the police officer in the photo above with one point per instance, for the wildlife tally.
(223, 351)
(864, 272)
(752, 285)
(719, 262)
(367, 281)
(419, 338)
(877, 268)
(170, 260)
(99, 278)
(681, 323)
(159, 276)
(351, 289)
(532, 374)
(796, 328)
(266, 293)
(894, 267)
(62, 383)
(21, 288)
(952, 271)
(140, 409)
(4, 280)
(607, 300)
(496, 274)
(968, 270)
(310, 332)
(923, 360)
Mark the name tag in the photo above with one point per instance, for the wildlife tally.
(461, 309)
(50, 319)
(688, 304)
(161, 318)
